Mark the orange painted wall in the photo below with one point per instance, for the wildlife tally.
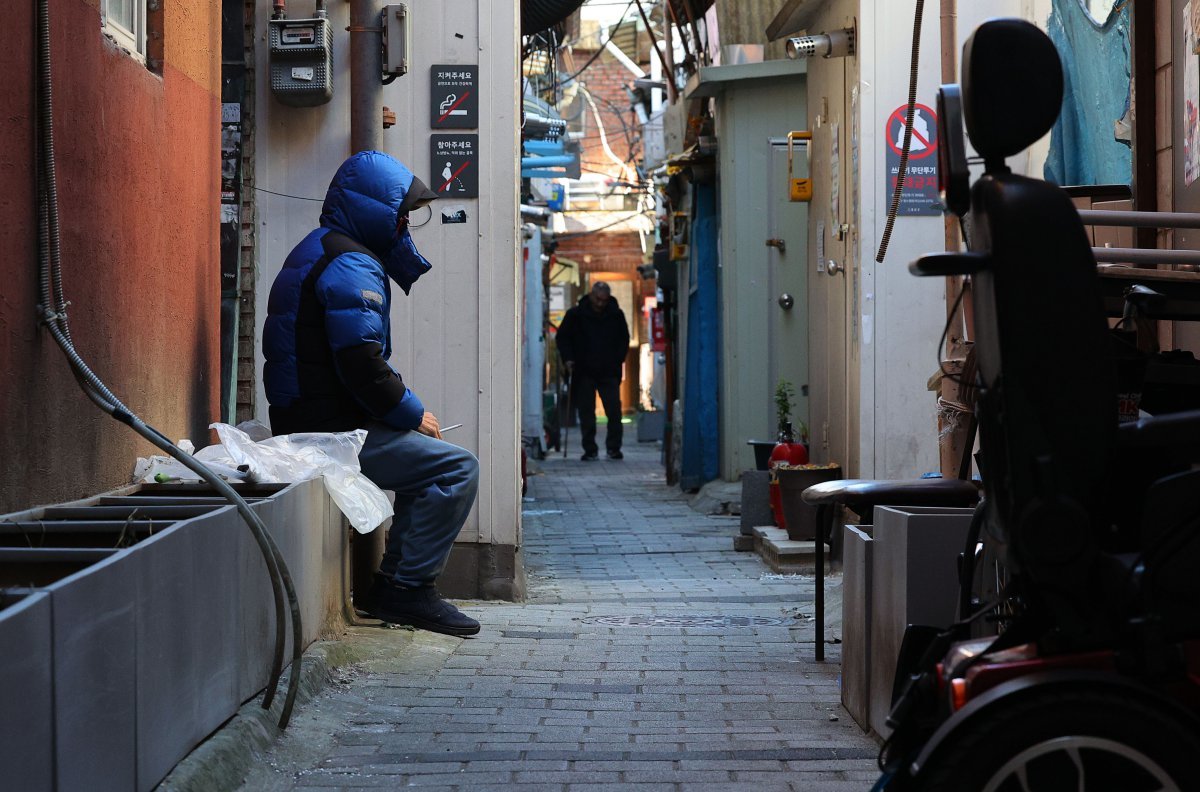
(138, 174)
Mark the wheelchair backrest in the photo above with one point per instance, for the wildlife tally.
(1048, 411)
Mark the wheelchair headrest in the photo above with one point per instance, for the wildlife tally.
(1012, 87)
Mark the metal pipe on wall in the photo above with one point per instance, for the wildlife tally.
(366, 75)
(1105, 217)
(1145, 256)
(954, 284)
(366, 134)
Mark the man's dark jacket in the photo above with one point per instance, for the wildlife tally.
(327, 336)
(596, 342)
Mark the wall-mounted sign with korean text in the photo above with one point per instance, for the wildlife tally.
(454, 96)
(920, 194)
(454, 165)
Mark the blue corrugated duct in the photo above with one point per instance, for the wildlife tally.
(701, 439)
(1084, 148)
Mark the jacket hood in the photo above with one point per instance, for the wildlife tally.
(364, 202)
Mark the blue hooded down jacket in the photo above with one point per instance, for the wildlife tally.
(327, 334)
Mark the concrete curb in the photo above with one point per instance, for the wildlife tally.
(224, 760)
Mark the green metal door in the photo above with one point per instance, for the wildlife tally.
(786, 249)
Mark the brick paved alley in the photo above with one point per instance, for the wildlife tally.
(649, 656)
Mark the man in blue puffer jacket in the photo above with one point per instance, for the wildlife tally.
(327, 339)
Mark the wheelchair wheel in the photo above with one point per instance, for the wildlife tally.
(1090, 740)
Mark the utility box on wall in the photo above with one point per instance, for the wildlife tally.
(301, 61)
(396, 39)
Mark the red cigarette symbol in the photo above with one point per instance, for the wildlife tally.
(454, 176)
(450, 109)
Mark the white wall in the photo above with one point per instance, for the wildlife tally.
(455, 339)
(906, 314)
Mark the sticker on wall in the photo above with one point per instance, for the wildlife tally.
(835, 175)
(920, 193)
(454, 214)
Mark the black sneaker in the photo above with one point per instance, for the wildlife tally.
(616, 454)
(417, 607)
(589, 456)
(363, 601)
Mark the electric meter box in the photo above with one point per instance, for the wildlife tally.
(397, 41)
(301, 61)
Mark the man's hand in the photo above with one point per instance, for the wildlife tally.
(430, 426)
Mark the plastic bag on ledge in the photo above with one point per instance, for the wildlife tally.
(289, 458)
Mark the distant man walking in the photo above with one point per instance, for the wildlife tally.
(592, 340)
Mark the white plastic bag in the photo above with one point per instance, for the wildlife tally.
(288, 458)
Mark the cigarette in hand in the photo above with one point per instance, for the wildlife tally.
(448, 428)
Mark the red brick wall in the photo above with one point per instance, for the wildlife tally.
(606, 80)
(603, 251)
(138, 175)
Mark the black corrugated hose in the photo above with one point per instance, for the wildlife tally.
(908, 124)
(52, 312)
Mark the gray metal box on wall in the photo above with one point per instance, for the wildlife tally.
(301, 61)
(914, 570)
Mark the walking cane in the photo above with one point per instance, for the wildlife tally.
(567, 418)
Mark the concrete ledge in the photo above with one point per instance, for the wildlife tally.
(783, 554)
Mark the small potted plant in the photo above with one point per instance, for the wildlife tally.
(788, 450)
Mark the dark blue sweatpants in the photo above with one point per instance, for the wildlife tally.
(435, 484)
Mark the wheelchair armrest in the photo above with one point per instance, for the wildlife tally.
(1148, 302)
(942, 264)
(914, 492)
(1174, 430)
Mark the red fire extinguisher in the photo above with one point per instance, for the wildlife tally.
(786, 452)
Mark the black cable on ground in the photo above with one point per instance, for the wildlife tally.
(51, 311)
(908, 124)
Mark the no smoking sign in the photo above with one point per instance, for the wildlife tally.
(920, 193)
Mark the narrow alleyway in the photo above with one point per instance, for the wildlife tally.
(649, 656)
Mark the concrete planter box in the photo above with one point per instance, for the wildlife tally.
(914, 581)
(153, 646)
(857, 547)
(756, 501)
(27, 716)
(798, 516)
(651, 425)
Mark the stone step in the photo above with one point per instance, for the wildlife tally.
(783, 554)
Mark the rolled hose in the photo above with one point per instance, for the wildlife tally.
(914, 66)
(51, 311)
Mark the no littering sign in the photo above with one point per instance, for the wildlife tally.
(920, 193)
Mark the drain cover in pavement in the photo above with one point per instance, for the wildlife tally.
(685, 621)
